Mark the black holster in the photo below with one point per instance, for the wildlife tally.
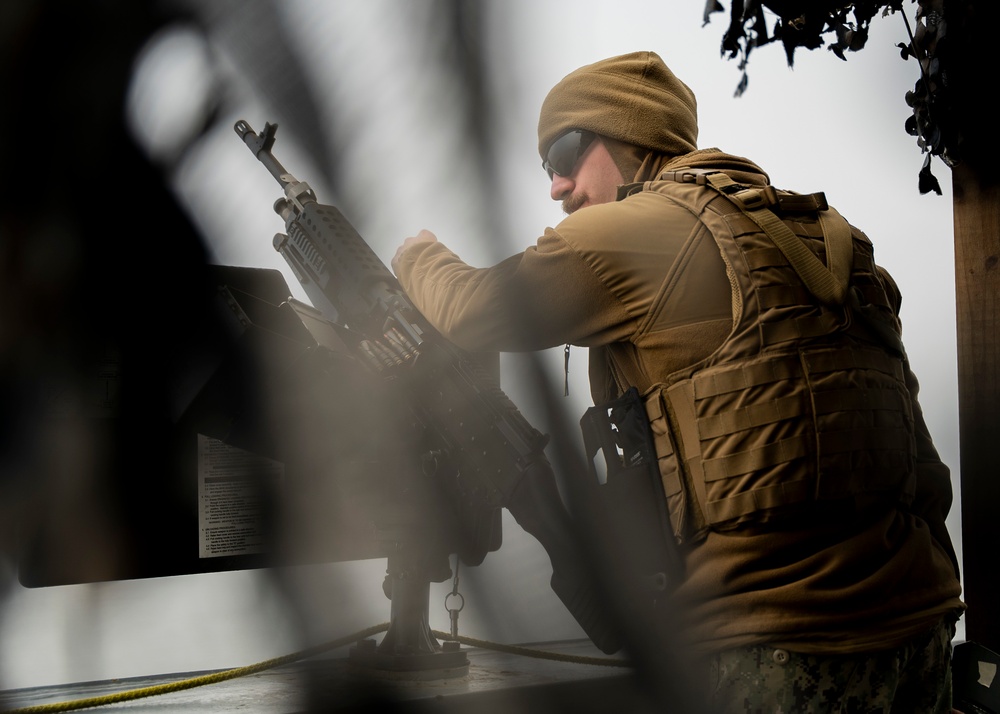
(629, 505)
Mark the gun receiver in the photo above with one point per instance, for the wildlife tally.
(466, 417)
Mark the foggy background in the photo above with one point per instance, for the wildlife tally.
(371, 99)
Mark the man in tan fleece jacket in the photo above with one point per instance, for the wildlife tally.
(806, 497)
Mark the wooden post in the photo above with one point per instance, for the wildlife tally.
(977, 299)
(971, 28)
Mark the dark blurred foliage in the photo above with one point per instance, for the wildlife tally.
(92, 242)
(949, 40)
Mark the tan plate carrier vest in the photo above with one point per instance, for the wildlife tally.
(803, 409)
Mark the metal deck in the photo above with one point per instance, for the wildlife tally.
(495, 682)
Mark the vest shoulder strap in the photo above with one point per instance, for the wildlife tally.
(827, 282)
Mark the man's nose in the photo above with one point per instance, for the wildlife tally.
(561, 187)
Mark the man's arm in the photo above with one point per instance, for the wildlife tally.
(934, 494)
(933, 498)
(547, 296)
(423, 236)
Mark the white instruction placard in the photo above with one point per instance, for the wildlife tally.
(232, 483)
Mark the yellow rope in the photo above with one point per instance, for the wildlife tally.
(529, 652)
(192, 682)
(228, 674)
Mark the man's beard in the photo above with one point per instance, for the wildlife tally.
(574, 203)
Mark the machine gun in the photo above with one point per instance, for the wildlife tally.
(495, 457)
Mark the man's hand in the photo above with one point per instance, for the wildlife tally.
(423, 236)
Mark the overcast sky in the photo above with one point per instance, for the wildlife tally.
(827, 125)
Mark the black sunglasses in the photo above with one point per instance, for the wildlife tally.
(566, 151)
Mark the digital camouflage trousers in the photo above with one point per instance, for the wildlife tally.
(912, 679)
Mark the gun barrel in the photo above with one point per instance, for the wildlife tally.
(260, 145)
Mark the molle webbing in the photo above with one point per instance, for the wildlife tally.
(796, 407)
(827, 282)
(823, 424)
(786, 308)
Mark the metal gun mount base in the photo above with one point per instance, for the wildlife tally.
(446, 663)
(409, 649)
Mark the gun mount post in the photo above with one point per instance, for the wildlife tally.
(409, 648)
